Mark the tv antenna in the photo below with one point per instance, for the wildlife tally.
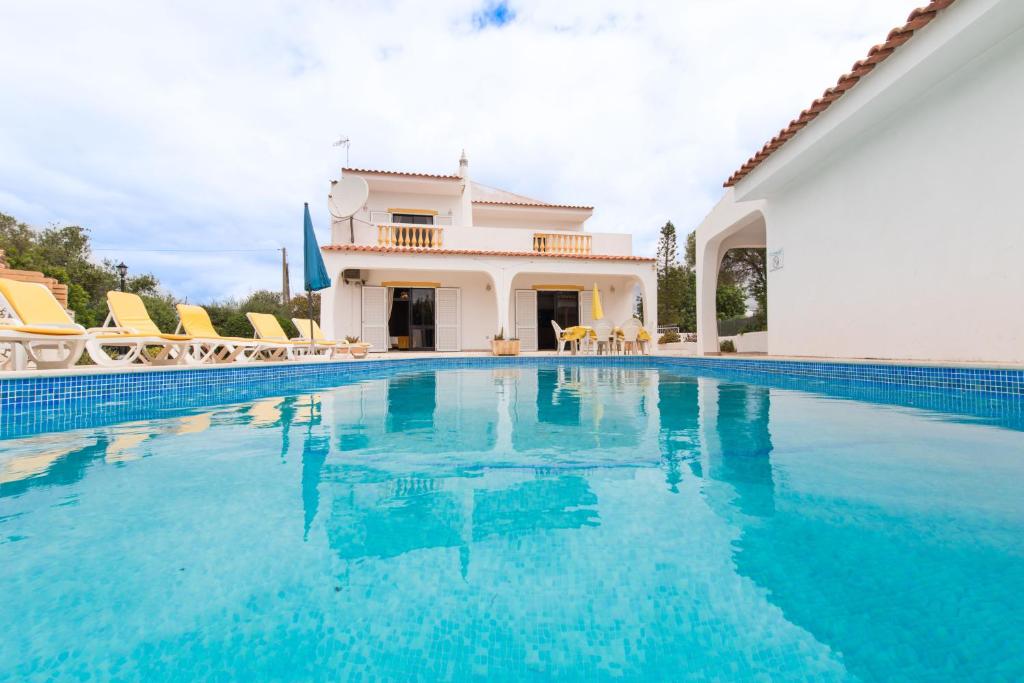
(345, 142)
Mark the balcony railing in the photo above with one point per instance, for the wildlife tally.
(561, 243)
(421, 236)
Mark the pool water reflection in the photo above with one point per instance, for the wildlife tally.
(575, 523)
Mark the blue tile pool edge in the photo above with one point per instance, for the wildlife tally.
(29, 404)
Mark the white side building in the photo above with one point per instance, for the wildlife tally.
(890, 209)
(439, 262)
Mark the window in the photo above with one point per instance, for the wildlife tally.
(414, 218)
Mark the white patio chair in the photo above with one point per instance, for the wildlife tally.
(562, 341)
(645, 345)
(630, 332)
(606, 341)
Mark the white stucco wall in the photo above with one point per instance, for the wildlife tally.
(618, 293)
(483, 312)
(897, 210)
(909, 244)
(477, 328)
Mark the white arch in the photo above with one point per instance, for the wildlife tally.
(730, 225)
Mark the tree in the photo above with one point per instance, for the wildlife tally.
(730, 301)
(300, 306)
(671, 283)
(749, 268)
(667, 246)
(161, 310)
(688, 301)
(63, 253)
(744, 268)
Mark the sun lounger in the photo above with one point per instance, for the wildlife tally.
(308, 329)
(33, 322)
(209, 346)
(129, 329)
(268, 328)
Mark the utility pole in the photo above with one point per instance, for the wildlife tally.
(286, 292)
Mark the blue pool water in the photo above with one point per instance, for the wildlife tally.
(518, 523)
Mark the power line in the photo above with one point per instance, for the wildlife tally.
(193, 251)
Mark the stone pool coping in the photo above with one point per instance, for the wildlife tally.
(87, 370)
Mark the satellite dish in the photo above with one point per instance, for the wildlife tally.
(347, 196)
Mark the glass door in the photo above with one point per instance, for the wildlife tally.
(563, 308)
(421, 319)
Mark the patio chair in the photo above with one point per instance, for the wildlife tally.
(630, 333)
(208, 345)
(565, 337)
(36, 328)
(643, 338)
(606, 340)
(308, 328)
(129, 329)
(269, 329)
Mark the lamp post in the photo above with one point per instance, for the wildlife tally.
(122, 270)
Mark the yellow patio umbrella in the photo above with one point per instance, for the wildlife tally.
(596, 312)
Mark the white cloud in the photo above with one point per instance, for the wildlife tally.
(207, 125)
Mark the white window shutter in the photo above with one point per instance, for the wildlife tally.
(587, 307)
(375, 318)
(448, 319)
(526, 319)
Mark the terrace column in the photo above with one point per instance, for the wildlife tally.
(327, 309)
(708, 262)
(649, 295)
(502, 296)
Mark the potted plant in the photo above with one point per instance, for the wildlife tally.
(504, 347)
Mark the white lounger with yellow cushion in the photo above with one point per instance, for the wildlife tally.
(308, 329)
(31, 319)
(207, 344)
(268, 329)
(129, 329)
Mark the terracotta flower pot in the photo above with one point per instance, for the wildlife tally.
(505, 347)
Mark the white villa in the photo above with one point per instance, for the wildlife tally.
(890, 208)
(439, 262)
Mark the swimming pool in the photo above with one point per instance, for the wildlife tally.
(521, 521)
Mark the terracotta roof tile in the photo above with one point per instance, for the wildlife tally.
(402, 173)
(542, 205)
(369, 248)
(918, 19)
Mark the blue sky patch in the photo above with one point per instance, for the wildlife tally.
(493, 14)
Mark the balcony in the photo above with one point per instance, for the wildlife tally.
(562, 243)
(484, 238)
(405, 235)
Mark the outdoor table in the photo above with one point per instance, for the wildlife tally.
(643, 336)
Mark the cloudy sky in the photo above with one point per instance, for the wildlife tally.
(200, 125)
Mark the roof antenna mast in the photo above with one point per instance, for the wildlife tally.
(346, 143)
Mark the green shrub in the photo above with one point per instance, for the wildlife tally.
(726, 346)
(669, 338)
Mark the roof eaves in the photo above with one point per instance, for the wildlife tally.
(369, 248)
(919, 18)
(537, 205)
(408, 174)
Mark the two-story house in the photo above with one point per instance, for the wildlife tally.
(439, 262)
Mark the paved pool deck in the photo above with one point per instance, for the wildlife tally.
(392, 356)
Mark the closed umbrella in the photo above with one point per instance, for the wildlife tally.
(596, 312)
(313, 266)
